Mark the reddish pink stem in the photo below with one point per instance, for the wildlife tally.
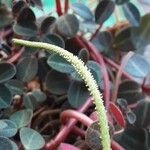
(116, 146)
(15, 57)
(7, 32)
(119, 74)
(58, 7)
(61, 136)
(66, 6)
(65, 115)
(116, 66)
(78, 131)
(96, 32)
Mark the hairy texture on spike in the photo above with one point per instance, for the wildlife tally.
(86, 75)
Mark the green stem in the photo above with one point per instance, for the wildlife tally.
(88, 79)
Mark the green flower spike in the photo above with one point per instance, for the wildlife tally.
(88, 79)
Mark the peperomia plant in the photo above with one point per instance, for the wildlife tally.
(86, 75)
(45, 104)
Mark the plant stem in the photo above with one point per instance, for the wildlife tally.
(58, 7)
(88, 79)
(16, 56)
(96, 32)
(66, 6)
(65, 115)
(65, 130)
(78, 131)
(116, 146)
(116, 66)
(117, 82)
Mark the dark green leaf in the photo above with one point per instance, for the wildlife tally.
(25, 31)
(15, 86)
(7, 71)
(84, 55)
(32, 99)
(25, 24)
(54, 39)
(142, 112)
(92, 136)
(6, 48)
(17, 7)
(140, 35)
(7, 128)
(132, 14)
(87, 26)
(29, 101)
(5, 17)
(131, 117)
(39, 95)
(26, 15)
(68, 25)
(103, 41)
(77, 94)
(14, 145)
(83, 11)
(59, 64)
(37, 3)
(31, 139)
(76, 76)
(130, 91)
(5, 97)
(144, 28)
(7, 144)
(132, 139)
(123, 40)
(57, 83)
(47, 24)
(104, 10)
(27, 69)
(137, 67)
(120, 2)
(43, 68)
(22, 118)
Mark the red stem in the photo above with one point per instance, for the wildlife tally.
(79, 42)
(58, 7)
(7, 32)
(116, 66)
(65, 115)
(116, 146)
(61, 136)
(96, 32)
(66, 5)
(119, 74)
(78, 131)
(15, 57)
